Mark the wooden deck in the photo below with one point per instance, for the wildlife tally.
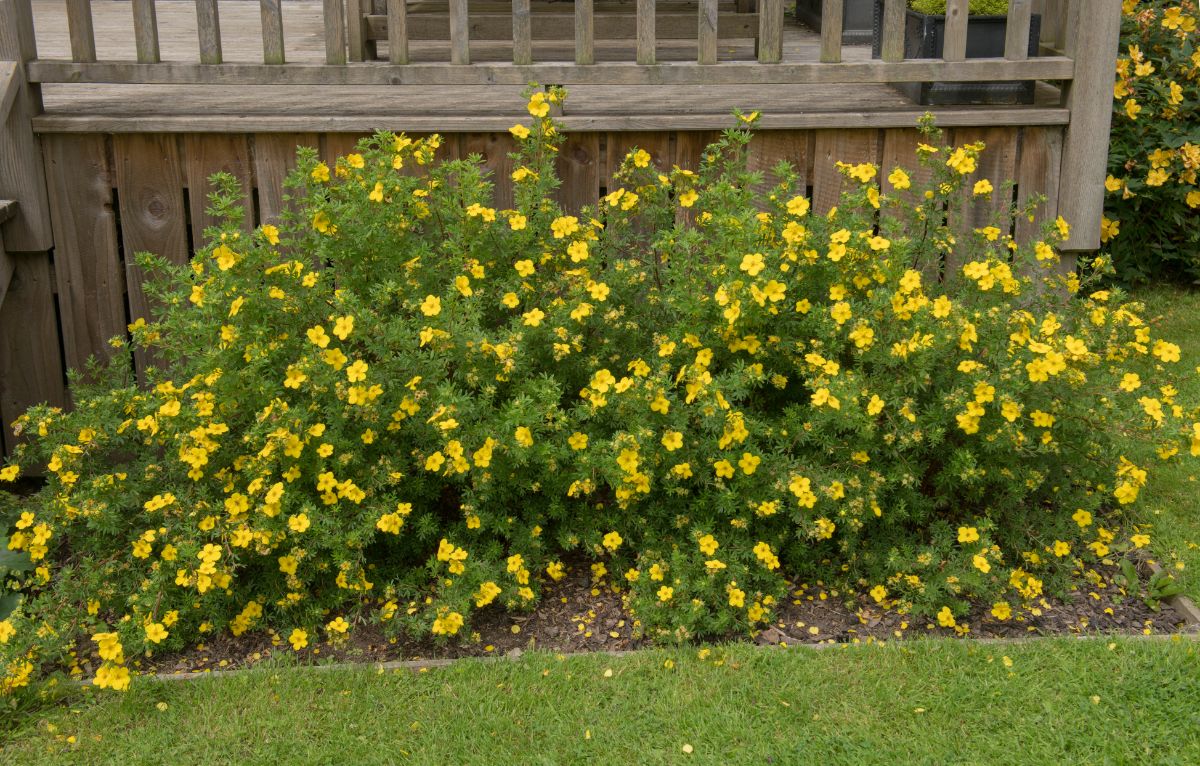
(284, 108)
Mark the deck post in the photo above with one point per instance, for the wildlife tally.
(22, 177)
(1093, 38)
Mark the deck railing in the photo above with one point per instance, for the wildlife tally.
(1079, 44)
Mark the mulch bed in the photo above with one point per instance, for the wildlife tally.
(576, 615)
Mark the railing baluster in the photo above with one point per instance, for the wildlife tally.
(355, 29)
(335, 32)
(208, 27)
(145, 31)
(645, 32)
(831, 31)
(79, 22)
(272, 31)
(706, 38)
(585, 43)
(770, 31)
(397, 21)
(522, 33)
(1016, 41)
(893, 30)
(460, 33)
(955, 47)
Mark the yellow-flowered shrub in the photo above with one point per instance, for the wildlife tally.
(402, 405)
(1153, 203)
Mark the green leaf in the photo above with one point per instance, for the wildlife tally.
(15, 561)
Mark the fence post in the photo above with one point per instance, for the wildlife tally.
(1093, 38)
(22, 177)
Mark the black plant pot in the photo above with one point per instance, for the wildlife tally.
(924, 37)
(857, 19)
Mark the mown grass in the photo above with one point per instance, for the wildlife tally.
(1171, 500)
(1061, 701)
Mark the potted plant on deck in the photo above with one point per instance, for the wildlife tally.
(858, 18)
(987, 27)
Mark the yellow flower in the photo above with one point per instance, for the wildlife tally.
(666, 593)
(1001, 610)
(517, 222)
(155, 632)
(431, 306)
(708, 545)
(533, 317)
(982, 187)
(1140, 540)
(299, 522)
(724, 469)
(749, 463)
(317, 336)
(1082, 518)
(688, 198)
(612, 541)
(945, 618)
(520, 132)
(672, 440)
(879, 593)
(524, 268)
(337, 625)
(981, 563)
(524, 436)
(641, 158)
(899, 180)
(578, 441)
(968, 534)
(343, 326)
(752, 264)
(298, 639)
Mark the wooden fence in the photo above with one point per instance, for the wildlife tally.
(86, 190)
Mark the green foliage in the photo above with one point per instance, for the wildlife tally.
(975, 7)
(403, 405)
(1153, 198)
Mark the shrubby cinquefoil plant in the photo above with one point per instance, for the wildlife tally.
(402, 406)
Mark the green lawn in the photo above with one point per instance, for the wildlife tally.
(1171, 501)
(1061, 701)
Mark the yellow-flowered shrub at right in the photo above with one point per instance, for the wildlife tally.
(403, 404)
(1153, 187)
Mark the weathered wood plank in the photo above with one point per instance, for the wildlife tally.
(494, 148)
(397, 30)
(149, 181)
(997, 164)
(31, 371)
(617, 145)
(22, 177)
(707, 35)
(585, 41)
(83, 37)
(87, 258)
(335, 32)
(578, 166)
(616, 73)
(208, 28)
(893, 31)
(770, 31)
(1093, 39)
(8, 209)
(272, 31)
(274, 158)
(203, 155)
(1037, 174)
(545, 26)
(498, 120)
(833, 146)
(1016, 39)
(832, 21)
(11, 80)
(769, 147)
(522, 33)
(646, 36)
(955, 48)
(900, 151)
(460, 33)
(145, 31)
(356, 31)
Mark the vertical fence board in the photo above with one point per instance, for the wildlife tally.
(460, 33)
(335, 32)
(79, 26)
(833, 146)
(1037, 173)
(646, 47)
(150, 181)
(900, 151)
(769, 147)
(706, 35)
(22, 177)
(208, 28)
(274, 158)
(356, 32)
(955, 48)
(578, 166)
(31, 371)
(997, 164)
(832, 22)
(893, 30)
(585, 43)
(145, 31)
(657, 143)
(770, 31)
(208, 153)
(87, 260)
(494, 147)
(1016, 34)
(397, 13)
(272, 31)
(522, 33)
